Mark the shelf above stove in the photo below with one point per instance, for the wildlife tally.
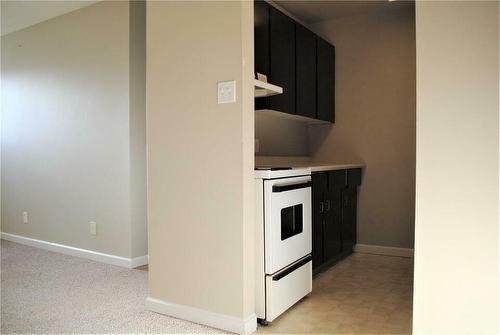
(263, 89)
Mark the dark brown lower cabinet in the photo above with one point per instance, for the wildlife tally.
(349, 199)
(332, 218)
(319, 187)
(334, 206)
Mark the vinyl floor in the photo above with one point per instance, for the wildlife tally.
(363, 294)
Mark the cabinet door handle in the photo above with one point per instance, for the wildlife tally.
(328, 205)
(322, 207)
(346, 201)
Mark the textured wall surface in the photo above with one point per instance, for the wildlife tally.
(457, 205)
(67, 157)
(200, 155)
(375, 118)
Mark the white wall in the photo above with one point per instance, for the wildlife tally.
(457, 203)
(375, 118)
(71, 131)
(200, 161)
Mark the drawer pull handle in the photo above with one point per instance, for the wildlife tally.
(294, 267)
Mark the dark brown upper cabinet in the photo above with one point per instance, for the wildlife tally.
(325, 76)
(282, 60)
(261, 45)
(305, 72)
(261, 37)
(297, 60)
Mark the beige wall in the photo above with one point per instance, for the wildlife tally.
(137, 128)
(375, 118)
(457, 204)
(67, 153)
(281, 137)
(200, 155)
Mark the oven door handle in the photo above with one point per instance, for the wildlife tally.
(284, 188)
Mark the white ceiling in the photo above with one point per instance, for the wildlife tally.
(16, 15)
(315, 11)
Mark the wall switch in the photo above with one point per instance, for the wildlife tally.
(226, 92)
(93, 228)
(25, 217)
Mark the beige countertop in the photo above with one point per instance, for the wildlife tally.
(328, 167)
(305, 163)
(318, 167)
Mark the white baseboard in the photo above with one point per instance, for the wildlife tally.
(139, 261)
(382, 250)
(83, 253)
(220, 321)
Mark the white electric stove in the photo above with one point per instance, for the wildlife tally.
(283, 239)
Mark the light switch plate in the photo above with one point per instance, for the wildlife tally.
(226, 92)
(93, 227)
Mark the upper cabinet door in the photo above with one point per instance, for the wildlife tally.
(261, 45)
(261, 37)
(305, 52)
(326, 80)
(282, 69)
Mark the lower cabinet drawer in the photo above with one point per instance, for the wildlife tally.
(285, 288)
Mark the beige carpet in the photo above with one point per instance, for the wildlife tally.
(51, 293)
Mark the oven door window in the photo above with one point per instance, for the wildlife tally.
(291, 221)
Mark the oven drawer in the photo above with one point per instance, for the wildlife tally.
(288, 286)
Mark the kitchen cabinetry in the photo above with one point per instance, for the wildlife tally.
(319, 183)
(261, 37)
(305, 76)
(332, 221)
(282, 62)
(334, 205)
(261, 46)
(349, 208)
(326, 80)
(297, 60)
(348, 228)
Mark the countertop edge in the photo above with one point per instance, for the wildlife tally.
(314, 167)
(319, 168)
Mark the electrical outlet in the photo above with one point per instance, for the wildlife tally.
(226, 92)
(93, 228)
(25, 218)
